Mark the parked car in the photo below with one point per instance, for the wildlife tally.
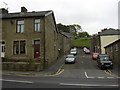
(70, 59)
(104, 61)
(84, 49)
(95, 56)
(73, 51)
(87, 51)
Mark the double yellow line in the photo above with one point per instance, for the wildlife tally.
(36, 75)
(110, 73)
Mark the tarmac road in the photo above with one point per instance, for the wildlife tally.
(84, 73)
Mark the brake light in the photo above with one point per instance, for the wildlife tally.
(101, 63)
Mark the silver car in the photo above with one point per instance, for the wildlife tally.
(70, 59)
(73, 51)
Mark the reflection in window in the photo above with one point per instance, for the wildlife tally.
(16, 47)
(20, 26)
(37, 25)
(19, 47)
(22, 47)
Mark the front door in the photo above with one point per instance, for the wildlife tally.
(2, 49)
(36, 48)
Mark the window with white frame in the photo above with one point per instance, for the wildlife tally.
(19, 47)
(20, 26)
(37, 25)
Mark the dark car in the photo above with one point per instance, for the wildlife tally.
(95, 56)
(104, 61)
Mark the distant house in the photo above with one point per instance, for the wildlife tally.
(113, 50)
(64, 42)
(104, 38)
(29, 40)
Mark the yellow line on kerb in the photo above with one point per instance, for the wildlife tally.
(110, 73)
(48, 75)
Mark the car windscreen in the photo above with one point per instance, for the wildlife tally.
(87, 51)
(104, 58)
(73, 50)
(70, 56)
(96, 54)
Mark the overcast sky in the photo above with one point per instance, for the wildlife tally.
(92, 15)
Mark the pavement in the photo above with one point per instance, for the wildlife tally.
(52, 70)
(116, 70)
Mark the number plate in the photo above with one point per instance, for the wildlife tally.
(107, 65)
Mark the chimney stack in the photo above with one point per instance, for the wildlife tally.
(99, 32)
(23, 9)
(3, 10)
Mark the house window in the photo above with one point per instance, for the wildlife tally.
(37, 25)
(20, 26)
(22, 47)
(16, 47)
(116, 47)
(19, 47)
(111, 49)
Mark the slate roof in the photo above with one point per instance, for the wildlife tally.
(68, 35)
(109, 32)
(112, 43)
(25, 14)
(28, 15)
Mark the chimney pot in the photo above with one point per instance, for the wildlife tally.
(23, 9)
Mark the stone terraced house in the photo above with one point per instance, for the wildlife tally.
(104, 38)
(113, 50)
(29, 40)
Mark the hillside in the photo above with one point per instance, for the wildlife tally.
(81, 42)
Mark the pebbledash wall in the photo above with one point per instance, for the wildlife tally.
(40, 48)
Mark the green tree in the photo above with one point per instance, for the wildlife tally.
(69, 28)
(63, 28)
(84, 34)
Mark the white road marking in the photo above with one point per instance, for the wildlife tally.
(69, 84)
(86, 75)
(91, 77)
(101, 77)
(110, 77)
(16, 81)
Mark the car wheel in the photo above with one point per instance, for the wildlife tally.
(101, 67)
(74, 62)
(111, 67)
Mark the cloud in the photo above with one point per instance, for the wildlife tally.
(92, 15)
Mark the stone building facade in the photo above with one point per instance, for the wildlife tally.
(29, 40)
(113, 50)
(104, 38)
